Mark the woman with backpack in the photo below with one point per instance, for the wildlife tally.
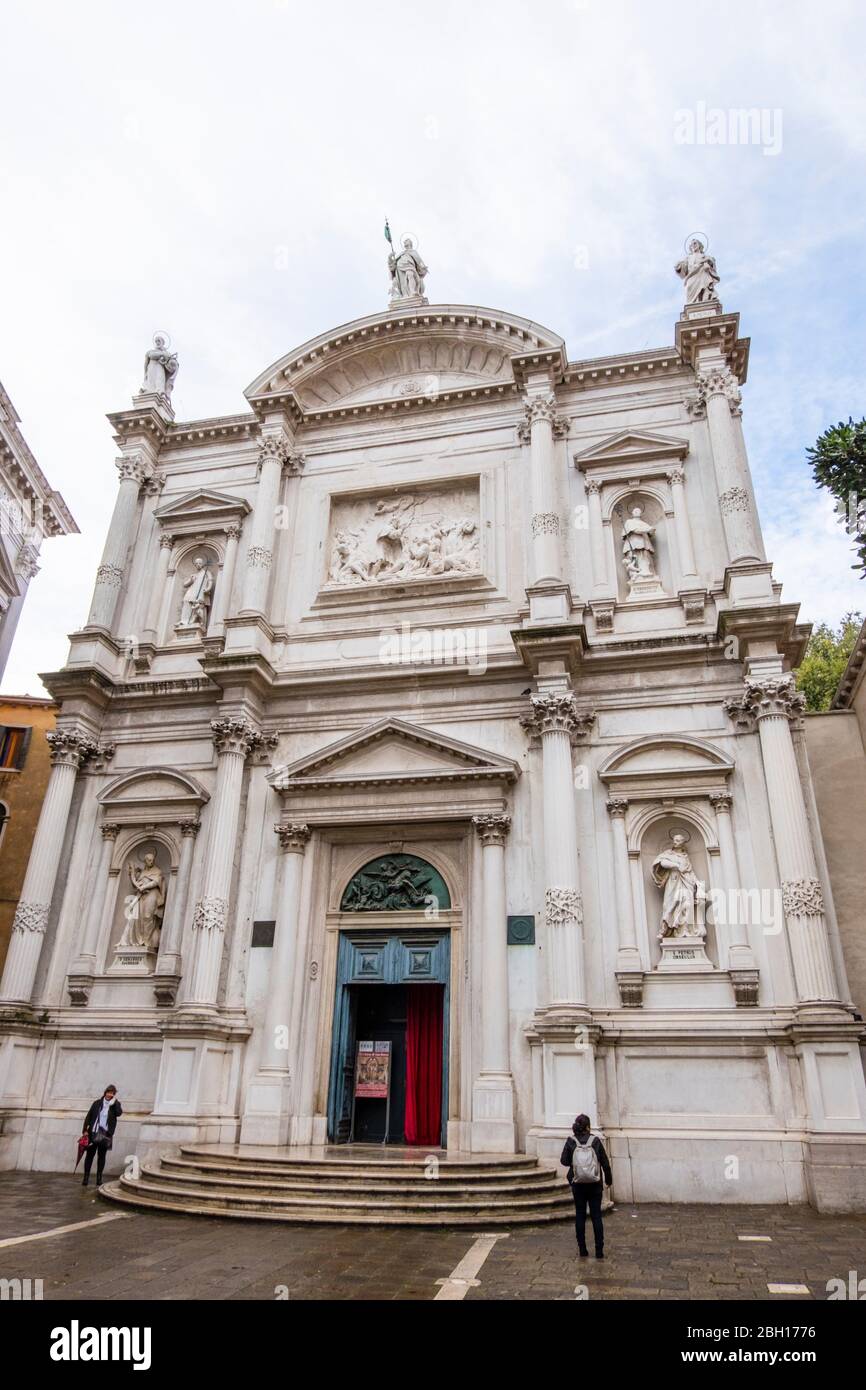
(586, 1161)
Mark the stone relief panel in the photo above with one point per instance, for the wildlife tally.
(414, 534)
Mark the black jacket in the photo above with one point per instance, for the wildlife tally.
(570, 1146)
(114, 1113)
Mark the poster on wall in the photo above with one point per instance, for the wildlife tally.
(373, 1070)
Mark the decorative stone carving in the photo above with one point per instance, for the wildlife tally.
(273, 446)
(238, 736)
(134, 467)
(696, 405)
(293, 838)
(108, 830)
(197, 591)
(766, 699)
(563, 906)
(395, 883)
(31, 917)
(698, 273)
(144, 907)
(493, 829)
(630, 985)
(545, 524)
(683, 892)
(721, 801)
(408, 537)
(210, 915)
(676, 477)
(110, 574)
(70, 747)
(557, 714)
(617, 807)
(27, 561)
(190, 828)
(803, 898)
(736, 499)
(541, 408)
(745, 985)
(160, 368)
(720, 381)
(407, 271)
(259, 557)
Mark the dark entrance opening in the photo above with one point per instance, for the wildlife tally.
(380, 1016)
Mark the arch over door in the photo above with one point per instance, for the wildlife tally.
(395, 883)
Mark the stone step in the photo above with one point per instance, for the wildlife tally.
(241, 1180)
(318, 1211)
(357, 1175)
(325, 1167)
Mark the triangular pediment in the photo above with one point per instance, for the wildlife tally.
(393, 751)
(632, 446)
(202, 506)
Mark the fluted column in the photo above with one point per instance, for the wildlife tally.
(222, 598)
(70, 748)
(86, 962)
(627, 957)
(676, 479)
(493, 1092)
(556, 719)
(275, 456)
(158, 583)
(719, 394)
(170, 962)
(539, 427)
(598, 556)
(234, 739)
(772, 703)
(134, 469)
(293, 842)
(741, 960)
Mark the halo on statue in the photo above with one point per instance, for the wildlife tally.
(412, 238)
(696, 236)
(166, 337)
(684, 834)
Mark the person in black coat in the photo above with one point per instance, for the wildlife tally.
(99, 1125)
(586, 1193)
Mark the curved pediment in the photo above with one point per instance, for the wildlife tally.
(667, 764)
(406, 354)
(152, 793)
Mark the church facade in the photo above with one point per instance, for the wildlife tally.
(430, 769)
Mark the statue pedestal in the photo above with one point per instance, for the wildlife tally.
(157, 401)
(683, 953)
(133, 960)
(409, 301)
(648, 587)
(188, 632)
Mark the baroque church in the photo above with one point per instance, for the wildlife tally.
(430, 769)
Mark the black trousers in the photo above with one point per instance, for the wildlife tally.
(100, 1150)
(588, 1194)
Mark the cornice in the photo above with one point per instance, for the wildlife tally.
(852, 675)
(17, 456)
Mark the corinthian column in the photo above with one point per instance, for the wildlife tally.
(676, 478)
(600, 584)
(773, 703)
(234, 740)
(719, 394)
(539, 427)
(629, 970)
(134, 469)
(157, 590)
(86, 962)
(493, 1092)
(556, 719)
(274, 456)
(222, 599)
(170, 962)
(70, 748)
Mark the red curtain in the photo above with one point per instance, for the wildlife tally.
(423, 1123)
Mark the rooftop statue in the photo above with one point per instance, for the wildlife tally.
(698, 271)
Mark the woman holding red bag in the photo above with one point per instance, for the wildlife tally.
(99, 1126)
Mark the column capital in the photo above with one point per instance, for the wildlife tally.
(720, 381)
(135, 467)
(294, 464)
(293, 837)
(232, 532)
(108, 830)
(773, 697)
(557, 714)
(721, 801)
(493, 829)
(617, 807)
(239, 736)
(593, 487)
(676, 477)
(190, 828)
(541, 407)
(70, 747)
(273, 446)
(166, 540)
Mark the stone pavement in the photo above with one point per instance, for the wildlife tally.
(653, 1252)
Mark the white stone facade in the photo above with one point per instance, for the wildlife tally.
(421, 636)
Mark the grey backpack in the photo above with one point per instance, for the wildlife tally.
(585, 1166)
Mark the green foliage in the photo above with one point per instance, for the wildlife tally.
(839, 464)
(826, 658)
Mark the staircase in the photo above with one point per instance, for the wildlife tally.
(348, 1185)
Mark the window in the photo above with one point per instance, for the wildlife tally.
(13, 746)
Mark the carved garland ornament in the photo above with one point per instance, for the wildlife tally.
(802, 897)
(563, 906)
(210, 915)
(545, 524)
(736, 499)
(259, 557)
(31, 917)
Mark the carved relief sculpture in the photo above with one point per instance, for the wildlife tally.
(408, 537)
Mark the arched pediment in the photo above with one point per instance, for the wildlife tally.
(666, 765)
(406, 354)
(152, 794)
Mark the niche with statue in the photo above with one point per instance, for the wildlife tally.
(143, 879)
(677, 886)
(195, 580)
(643, 561)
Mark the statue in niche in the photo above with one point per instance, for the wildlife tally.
(698, 270)
(160, 368)
(197, 595)
(144, 906)
(407, 272)
(638, 551)
(683, 892)
(392, 887)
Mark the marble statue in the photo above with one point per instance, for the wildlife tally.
(682, 891)
(407, 272)
(144, 906)
(638, 551)
(160, 368)
(698, 270)
(197, 595)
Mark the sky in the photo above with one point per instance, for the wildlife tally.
(222, 171)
